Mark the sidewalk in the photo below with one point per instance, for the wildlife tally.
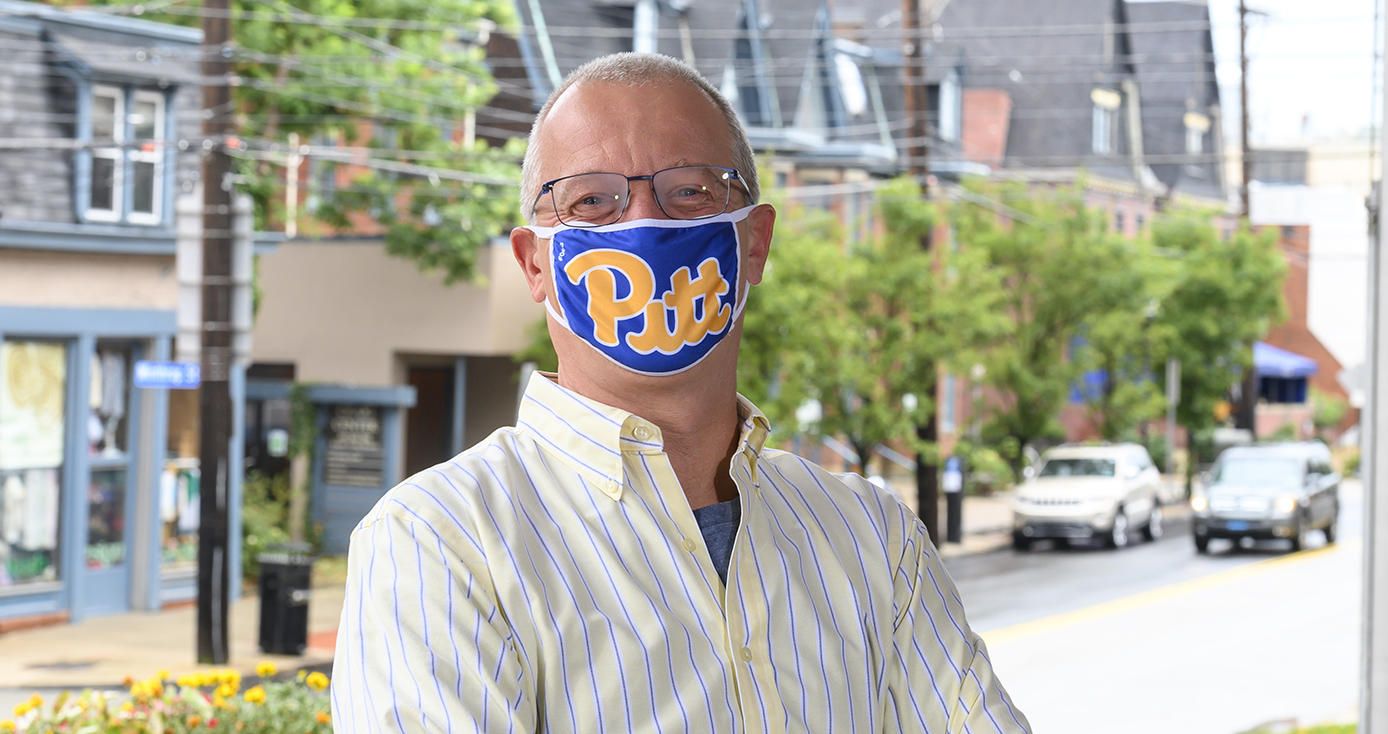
(102, 652)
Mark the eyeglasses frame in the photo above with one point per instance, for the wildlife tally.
(548, 188)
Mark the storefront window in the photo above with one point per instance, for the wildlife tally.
(106, 424)
(106, 519)
(179, 488)
(33, 377)
(179, 512)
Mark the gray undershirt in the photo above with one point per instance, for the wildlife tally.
(718, 524)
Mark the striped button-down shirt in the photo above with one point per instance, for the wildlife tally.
(553, 579)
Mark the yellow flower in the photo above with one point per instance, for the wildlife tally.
(6, 725)
(226, 690)
(163, 675)
(317, 681)
(187, 681)
(22, 709)
(230, 676)
(255, 695)
(323, 717)
(266, 669)
(302, 675)
(219, 702)
(127, 707)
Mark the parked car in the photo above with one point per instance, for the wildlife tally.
(1273, 491)
(1089, 492)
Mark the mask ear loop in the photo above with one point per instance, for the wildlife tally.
(554, 279)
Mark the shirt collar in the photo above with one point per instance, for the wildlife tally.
(590, 437)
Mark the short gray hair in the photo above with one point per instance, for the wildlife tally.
(636, 70)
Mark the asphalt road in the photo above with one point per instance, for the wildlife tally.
(1155, 638)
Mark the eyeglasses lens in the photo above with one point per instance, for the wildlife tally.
(687, 192)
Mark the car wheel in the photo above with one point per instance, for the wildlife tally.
(1299, 534)
(1202, 545)
(1330, 529)
(1153, 529)
(1021, 543)
(1118, 536)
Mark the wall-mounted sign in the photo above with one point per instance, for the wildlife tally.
(355, 456)
(171, 375)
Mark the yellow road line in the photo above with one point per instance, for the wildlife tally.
(1165, 593)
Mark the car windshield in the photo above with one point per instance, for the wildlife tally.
(1272, 471)
(1077, 468)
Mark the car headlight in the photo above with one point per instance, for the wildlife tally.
(1199, 503)
(1286, 504)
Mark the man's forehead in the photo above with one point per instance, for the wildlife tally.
(672, 120)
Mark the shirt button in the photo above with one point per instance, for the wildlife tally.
(747, 654)
(689, 545)
(641, 432)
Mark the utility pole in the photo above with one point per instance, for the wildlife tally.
(215, 392)
(1245, 412)
(1373, 680)
(915, 20)
(1245, 160)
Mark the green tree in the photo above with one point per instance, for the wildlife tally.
(1226, 295)
(382, 85)
(1327, 410)
(1120, 343)
(1067, 283)
(862, 329)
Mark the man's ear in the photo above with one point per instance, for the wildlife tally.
(530, 255)
(760, 223)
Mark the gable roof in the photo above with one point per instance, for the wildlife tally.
(798, 89)
(1173, 53)
(1049, 58)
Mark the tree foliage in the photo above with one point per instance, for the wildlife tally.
(393, 79)
(1071, 297)
(1226, 294)
(860, 329)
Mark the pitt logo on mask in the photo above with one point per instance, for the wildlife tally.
(655, 296)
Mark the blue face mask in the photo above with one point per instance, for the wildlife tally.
(654, 295)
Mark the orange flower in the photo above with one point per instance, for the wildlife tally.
(323, 717)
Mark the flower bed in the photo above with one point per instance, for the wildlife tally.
(210, 702)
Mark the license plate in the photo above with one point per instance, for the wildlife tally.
(1236, 525)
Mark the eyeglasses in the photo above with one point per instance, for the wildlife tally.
(595, 199)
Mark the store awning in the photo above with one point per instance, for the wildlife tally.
(1271, 361)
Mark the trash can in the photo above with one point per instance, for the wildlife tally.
(285, 587)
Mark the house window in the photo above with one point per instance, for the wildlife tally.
(1106, 104)
(1196, 127)
(1119, 225)
(127, 160)
(1195, 140)
(949, 410)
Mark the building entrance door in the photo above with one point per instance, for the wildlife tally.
(429, 425)
(106, 563)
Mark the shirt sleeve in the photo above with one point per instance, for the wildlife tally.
(422, 646)
(940, 678)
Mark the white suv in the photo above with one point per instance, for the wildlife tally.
(1089, 492)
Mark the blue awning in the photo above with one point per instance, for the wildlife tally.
(1270, 361)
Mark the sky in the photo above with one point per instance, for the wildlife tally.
(1311, 69)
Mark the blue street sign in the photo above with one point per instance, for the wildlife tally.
(171, 375)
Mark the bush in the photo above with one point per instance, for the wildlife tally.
(264, 519)
(1351, 463)
(210, 702)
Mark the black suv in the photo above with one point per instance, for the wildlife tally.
(1266, 492)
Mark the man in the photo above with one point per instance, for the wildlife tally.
(631, 556)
